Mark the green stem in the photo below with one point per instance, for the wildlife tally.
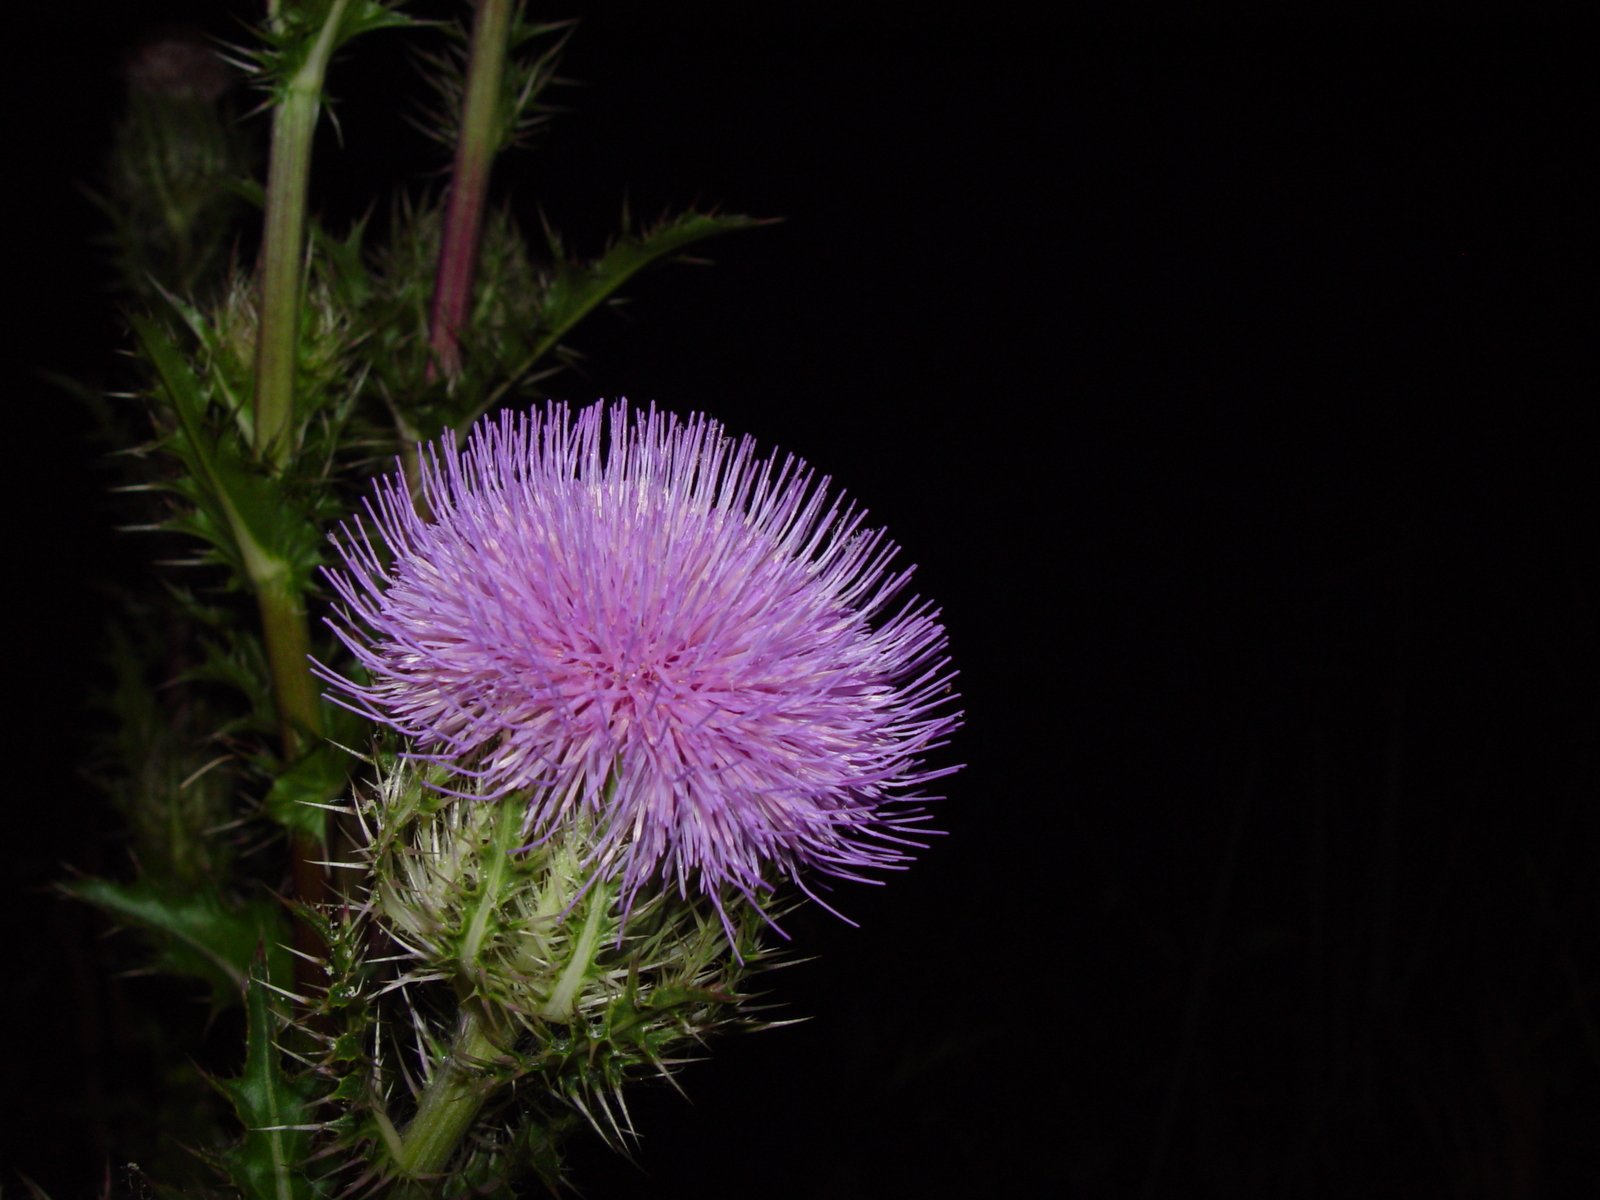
(481, 121)
(288, 177)
(284, 631)
(287, 642)
(454, 1095)
(288, 645)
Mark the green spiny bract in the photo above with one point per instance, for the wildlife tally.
(460, 914)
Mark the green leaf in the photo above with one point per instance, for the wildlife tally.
(269, 1163)
(365, 16)
(319, 777)
(342, 263)
(198, 934)
(249, 516)
(304, 31)
(241, 665)
(216, 478)
(577, 289)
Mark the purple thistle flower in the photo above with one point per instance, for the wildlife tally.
(636, 622)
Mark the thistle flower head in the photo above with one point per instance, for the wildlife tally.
(637, 622)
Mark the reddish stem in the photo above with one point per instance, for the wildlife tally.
(481, 117)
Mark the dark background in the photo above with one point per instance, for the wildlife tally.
(1233, 388)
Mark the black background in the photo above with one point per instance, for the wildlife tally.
(1233, 389)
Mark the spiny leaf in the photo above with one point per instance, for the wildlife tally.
(158, 763)
(300, 30)
(316, 778)
(199, 934)
(268, 1164)
(576, 290)
(241, 666)
(215, 479)
(265, 536)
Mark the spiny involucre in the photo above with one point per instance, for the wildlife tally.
(633, 619)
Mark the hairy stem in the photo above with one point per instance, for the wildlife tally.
(294, 693)
(481, 131)
(453, 1097)
(284, 631)
(288, 177)
(288, 646)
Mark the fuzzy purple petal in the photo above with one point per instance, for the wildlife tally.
(634, 618)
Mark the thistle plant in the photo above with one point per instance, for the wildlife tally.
(483, 785)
